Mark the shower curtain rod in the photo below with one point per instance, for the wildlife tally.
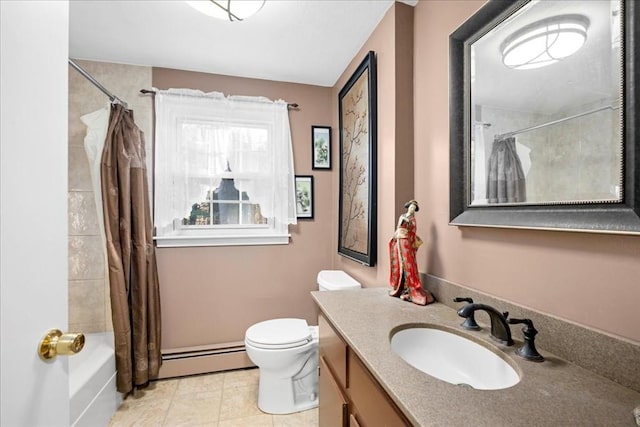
(564, 119)
(290, 106)
(97, 84)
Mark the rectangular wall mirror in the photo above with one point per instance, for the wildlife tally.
(543, 99)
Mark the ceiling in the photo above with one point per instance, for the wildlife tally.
(310, 41)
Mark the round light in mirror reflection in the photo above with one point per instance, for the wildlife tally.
(545, 42)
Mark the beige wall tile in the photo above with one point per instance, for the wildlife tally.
(79, 174)
(84, 297)
(86, 258)
(83, 219)
(87, 328)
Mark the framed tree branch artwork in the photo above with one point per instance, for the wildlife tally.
(357, 236)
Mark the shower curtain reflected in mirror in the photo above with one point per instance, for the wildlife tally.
(505, 177)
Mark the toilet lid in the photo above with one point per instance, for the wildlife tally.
(279, 333)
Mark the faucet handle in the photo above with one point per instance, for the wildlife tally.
(469, 322)
(527, 322)
(528, 349)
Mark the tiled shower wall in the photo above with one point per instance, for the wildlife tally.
(89, 307)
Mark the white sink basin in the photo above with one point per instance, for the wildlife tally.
(453, 358)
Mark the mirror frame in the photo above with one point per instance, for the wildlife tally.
(615, 218)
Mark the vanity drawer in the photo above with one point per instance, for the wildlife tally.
(370, 404)
(333, 350)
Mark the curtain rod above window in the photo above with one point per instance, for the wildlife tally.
(290, 106)
(97, 84)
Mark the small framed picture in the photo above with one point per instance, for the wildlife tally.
(321, 147)
(304, 196)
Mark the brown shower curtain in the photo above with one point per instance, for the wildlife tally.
(505, 177)
(133, 276)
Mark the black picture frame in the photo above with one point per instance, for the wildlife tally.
(357, 206)
(610, 218)
(321, 147)
(304, 196)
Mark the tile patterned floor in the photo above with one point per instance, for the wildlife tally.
(225, 399)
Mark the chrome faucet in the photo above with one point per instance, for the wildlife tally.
(500, 329)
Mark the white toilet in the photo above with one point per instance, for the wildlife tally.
(286, 352)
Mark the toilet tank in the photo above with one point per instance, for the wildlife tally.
(336, 280)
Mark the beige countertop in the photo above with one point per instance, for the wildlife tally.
(551, 393)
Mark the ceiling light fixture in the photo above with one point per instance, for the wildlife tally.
(544, 42)
(231, 10)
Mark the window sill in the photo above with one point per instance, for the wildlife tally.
(228, 240)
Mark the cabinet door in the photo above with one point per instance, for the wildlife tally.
(334, 351)
(352, 421)
(370, 403)
(333, 407)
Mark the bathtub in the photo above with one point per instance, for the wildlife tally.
(92, 382)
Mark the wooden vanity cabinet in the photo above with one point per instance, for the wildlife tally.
(333, 407)
(349, 395)
(370, 404)
(334, 351)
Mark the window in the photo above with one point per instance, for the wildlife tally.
(223, 170)
(225, 206)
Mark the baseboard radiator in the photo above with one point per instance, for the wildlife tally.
(178, 362)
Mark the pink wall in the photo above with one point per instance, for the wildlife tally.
(212, 295)
(392, 41)
(587, 278)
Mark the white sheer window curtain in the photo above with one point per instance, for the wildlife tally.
(202, 138)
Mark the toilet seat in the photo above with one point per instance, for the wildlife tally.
(279, 334)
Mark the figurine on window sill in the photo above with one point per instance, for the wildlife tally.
(404, 277)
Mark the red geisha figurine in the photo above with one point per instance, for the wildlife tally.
(404, 244)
